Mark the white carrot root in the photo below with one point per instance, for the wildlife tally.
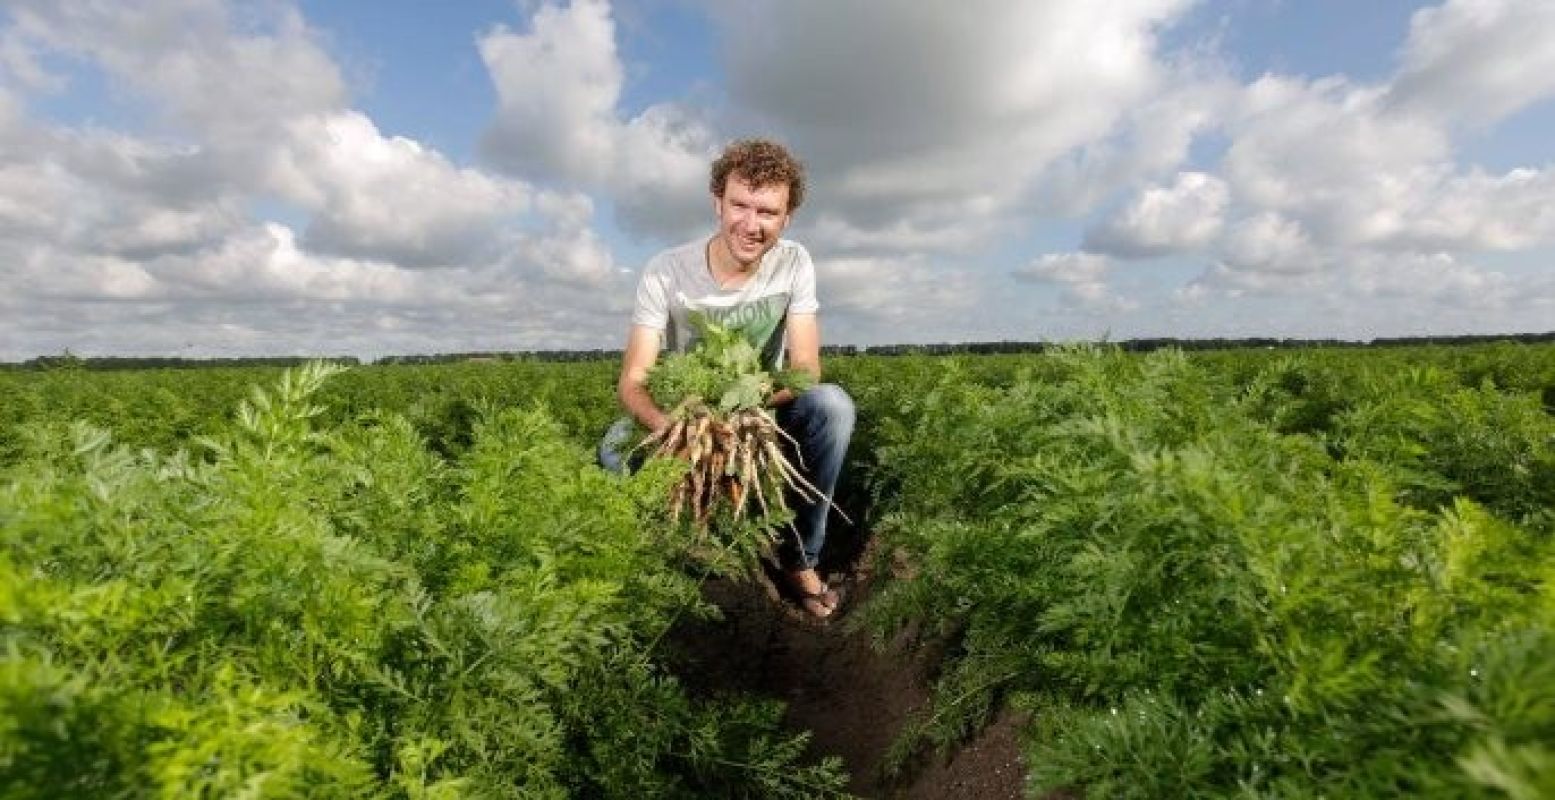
(729, 458)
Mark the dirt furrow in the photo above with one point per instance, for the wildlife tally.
(853, 698)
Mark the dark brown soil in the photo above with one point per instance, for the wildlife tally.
(851, 696)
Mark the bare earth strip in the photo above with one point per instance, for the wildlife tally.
(853, 698)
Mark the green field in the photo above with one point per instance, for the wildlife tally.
(1293, 573)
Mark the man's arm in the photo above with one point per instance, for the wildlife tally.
(642, 350)
(803, 333)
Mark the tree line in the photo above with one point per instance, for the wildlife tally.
(69, 360)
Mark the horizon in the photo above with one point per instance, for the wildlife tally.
(981, 347)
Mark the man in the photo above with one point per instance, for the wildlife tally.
(745, 276)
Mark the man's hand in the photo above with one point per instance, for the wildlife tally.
(804, 353)
(642, 350)
(781, 397)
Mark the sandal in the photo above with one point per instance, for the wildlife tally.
(821, 605)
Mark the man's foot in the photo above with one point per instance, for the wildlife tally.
(815, 597)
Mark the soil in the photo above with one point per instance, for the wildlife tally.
(853, 697)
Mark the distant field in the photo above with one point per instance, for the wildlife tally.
(1227, 573)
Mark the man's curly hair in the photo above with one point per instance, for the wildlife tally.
(760, 162)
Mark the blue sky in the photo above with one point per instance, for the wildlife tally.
(205, 177)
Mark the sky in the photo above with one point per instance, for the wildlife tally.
(218, 178)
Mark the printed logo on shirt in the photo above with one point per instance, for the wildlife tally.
(759, 320)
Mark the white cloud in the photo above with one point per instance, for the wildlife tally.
(260, 291)
(558, 119)
(1437, 277)
(156, 233)
(20, 65)
(1327, 153)
(1288, 267)
(953, 105)
(256, 264)
(1068, 268)
(1475, 61)
(1512, 211)
(1083, 277)
(557, 88)
(51, 274)
(266, 263)
(577, 257)
(233, 80)
(840, 236)
(889, 300)
(266, 109)
(1353, 172)
(1369, 294)
(31, 197)
(1161, 220)
(390, 197)
(1152, 140)
(1236, 283)
(1270, 243)
(897, 290)
(103, 192)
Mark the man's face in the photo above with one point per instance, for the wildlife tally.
(751, 219)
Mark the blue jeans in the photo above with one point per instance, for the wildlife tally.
(821, 422)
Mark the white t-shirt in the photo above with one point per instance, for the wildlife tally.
(678, 281)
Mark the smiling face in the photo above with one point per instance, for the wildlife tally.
(750, 219)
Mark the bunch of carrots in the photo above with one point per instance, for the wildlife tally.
(716, 393)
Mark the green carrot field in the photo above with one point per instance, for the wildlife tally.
(1291, 573)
